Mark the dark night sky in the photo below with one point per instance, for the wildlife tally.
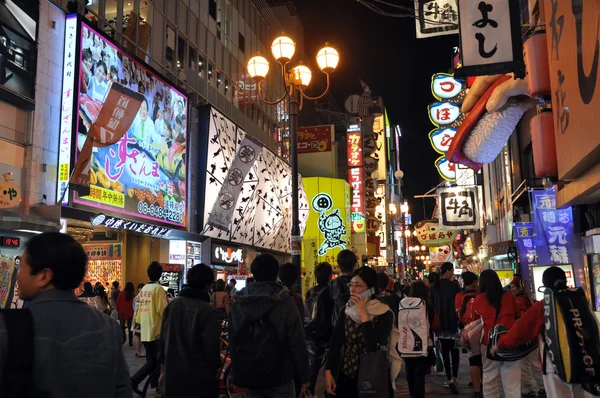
(385, 53)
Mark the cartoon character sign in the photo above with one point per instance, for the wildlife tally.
(331, 225)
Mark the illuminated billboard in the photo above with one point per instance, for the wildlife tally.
(144, 174)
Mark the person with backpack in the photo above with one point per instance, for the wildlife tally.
(59, 346)
(529, 364)
(347, 262)
(443, 294)
(583, 339)
(417, 366)
(266, 336)
(189, 339)
(288, 275)
(464, 308)
(364, 326)
(495, 306)
(317, 328)
(220, 300)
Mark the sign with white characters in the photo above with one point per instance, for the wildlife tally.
(436, 18)
(227, 255)
(441, 139)
(458, 208)
(490, 38)
(446, 168)
(443, 113)
(126, 225)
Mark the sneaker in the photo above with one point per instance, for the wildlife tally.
(447, 384)
(454, 387)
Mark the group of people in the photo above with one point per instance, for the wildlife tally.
(278, 342)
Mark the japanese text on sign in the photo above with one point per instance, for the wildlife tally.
(458, 208)
(357, 205)
(355, 150)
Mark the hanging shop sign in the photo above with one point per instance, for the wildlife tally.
(441, 139)
(315, 139)
(126, 225)
(355, 150)
(357, 206)
(110, 251)
(490, 38)
(436, 18)
(430, 234)
(445, 87)
(458, 208)
(381, 214)
(10, 192)
(329, 221)
(143, 175)
(525, 239)
(446, 168)
(261, 212)
(227, 254)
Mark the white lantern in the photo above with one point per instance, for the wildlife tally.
(302, 74)
(258, 67)
(328, 59)
(283, 48)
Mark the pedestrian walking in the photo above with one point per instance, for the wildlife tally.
(102, 301)
(319, 309)
(124, 307)
(267, 342)
(190, 349)
(114, 294)
(443, 294)
(288, 275)
(88, 295)
(136, 326)
(464, 308)
(347, 262)
(495, 306)
(363, 326)
(220, 299)
(153, 301)
(417, 367)
(231, 287)
(389, 297)
(73, 350)
(531, 325)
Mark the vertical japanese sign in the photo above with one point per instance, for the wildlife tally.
(525, 239)
(315, 139)
(357, 181)
(553, 229)
(490, 38)
(69, 98)
(458, 208)
(436, 18)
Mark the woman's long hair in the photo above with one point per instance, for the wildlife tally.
(434, 280)
(489, 283)
(420, 290)
(102, 294)
(129, 291)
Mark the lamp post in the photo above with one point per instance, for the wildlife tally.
(296, 80)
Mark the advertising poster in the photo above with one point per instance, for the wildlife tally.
(315, 139)
(18, 49)
(525, 240)
(143, 175)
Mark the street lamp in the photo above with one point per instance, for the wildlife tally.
(296, 80)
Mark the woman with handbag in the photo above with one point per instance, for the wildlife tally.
(362, 328)
(220, 300)
(495, 306)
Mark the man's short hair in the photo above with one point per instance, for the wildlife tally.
(60, 253)
(347, 260)
(233, 281)
(265, 268)
(323, 273)
(200, 276)
(554, 277)
(155, 271)
(469, 278)
(447, 266)
(115, 284)
(288, 274)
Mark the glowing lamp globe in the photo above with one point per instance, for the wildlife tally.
(302, 75)
(258, 67)
(328, 59)
(283, 48)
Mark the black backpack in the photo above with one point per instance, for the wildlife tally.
(572, 338)
(257, 353)
(317, 326)
(18, 375)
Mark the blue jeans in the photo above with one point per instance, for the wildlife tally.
(285, 391)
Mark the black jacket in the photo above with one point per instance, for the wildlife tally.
(327, 306)
(251, 303)
(340, 294)
(190, 345)
(442, 298)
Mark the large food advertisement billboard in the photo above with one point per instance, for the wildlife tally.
(143, 175)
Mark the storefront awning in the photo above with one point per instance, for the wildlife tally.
(39, 219)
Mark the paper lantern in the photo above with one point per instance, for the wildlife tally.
(544, 144)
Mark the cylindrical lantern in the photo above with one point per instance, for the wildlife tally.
(544, 144)
(536, 62)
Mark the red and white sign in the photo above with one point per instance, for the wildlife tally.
(315, 139)
(355, 149)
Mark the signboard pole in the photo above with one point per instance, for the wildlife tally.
(296, 252)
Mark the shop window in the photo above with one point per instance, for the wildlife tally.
(212, 9)
(210, 74)
(227, 89)
(242, 43)
(180, 52)
(201, 66)
(219, 79)
(170, 50)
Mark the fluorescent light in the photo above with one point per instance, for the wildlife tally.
(29, 231)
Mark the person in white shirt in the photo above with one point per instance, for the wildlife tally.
(98, 85)
(143, 128)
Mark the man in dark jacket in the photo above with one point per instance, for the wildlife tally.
(266, 336)
(347, 262)
(190, 333)
(443, 294)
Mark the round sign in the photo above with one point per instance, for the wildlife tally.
(351, 104)
(322, 202)
(98, 220)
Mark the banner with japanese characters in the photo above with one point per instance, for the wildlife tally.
(315, 139)
(553, 229)
(458, 208)
(436, 18)
(525, 239)
(107, 94)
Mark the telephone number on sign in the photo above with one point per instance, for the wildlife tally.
(173, 215)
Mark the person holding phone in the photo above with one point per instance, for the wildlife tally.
(363, 326)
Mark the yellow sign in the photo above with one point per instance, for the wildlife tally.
(10, 192)
(328, 228)
(106, 196)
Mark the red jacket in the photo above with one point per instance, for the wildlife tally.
(528, 328)
(124, 307)
(468, 316)
(508, 310)
(523, 304)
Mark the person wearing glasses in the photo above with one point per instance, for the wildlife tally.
(363, 326)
